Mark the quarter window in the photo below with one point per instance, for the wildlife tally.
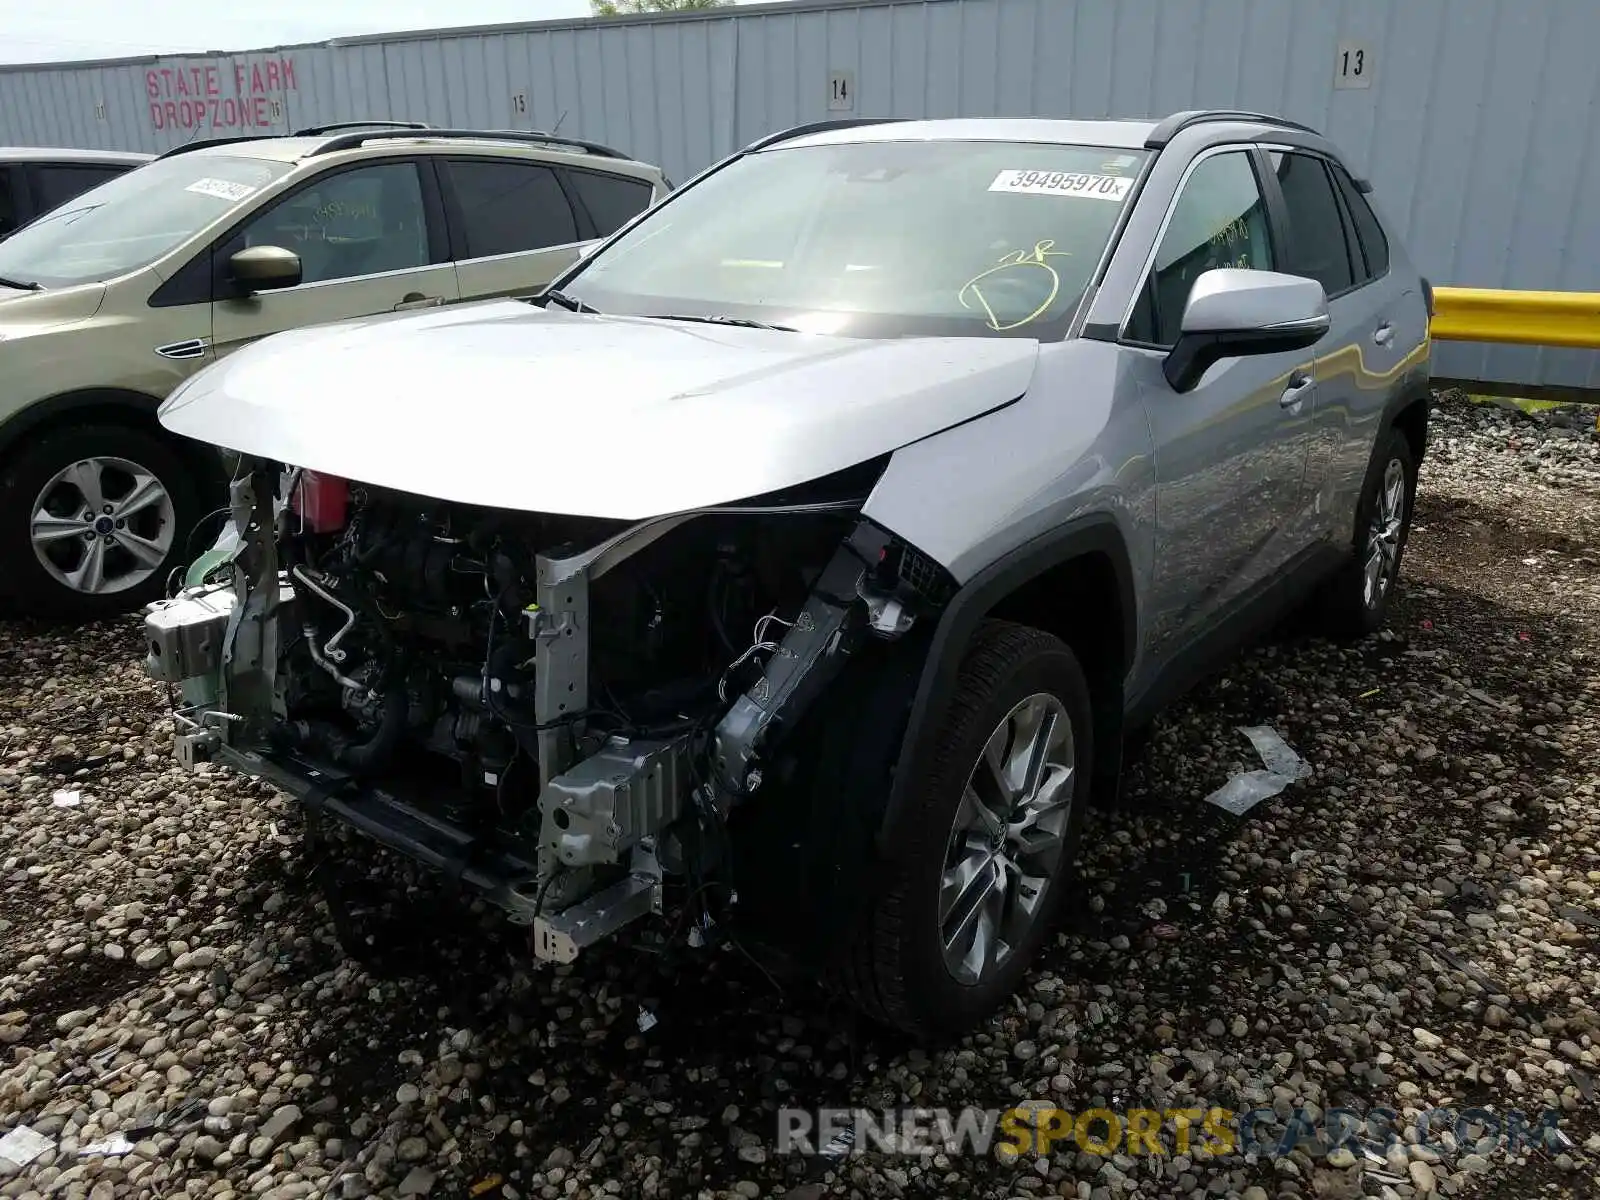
(612, 200)
(353, 223)
(1369, 231)
(1317, 248)
(508, 207)
(1219, 220)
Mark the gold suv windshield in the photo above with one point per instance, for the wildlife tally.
(133, 220)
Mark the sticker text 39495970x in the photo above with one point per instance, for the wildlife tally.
(1063, 183)
(222, 189)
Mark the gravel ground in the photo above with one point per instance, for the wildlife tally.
(1415, 924)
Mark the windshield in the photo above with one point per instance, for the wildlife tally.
(132, 220)
(876, 239)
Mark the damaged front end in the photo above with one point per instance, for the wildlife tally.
(561, 714)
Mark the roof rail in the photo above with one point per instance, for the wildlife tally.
(338, 126)
(221, 141)
(349, 141)
(312, 132)
(784, 135)
(1168, 129)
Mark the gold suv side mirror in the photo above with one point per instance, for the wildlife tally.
(264, 268)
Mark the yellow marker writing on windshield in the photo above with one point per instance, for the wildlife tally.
(1234, 231)
(1014, 261)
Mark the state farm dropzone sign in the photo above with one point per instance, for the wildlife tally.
(219, 94)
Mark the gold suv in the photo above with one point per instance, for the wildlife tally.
(112, 300)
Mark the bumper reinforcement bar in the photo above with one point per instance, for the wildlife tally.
(501, 876)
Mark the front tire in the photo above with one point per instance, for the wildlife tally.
(978, 871)
(1357, 603)
(93, 520)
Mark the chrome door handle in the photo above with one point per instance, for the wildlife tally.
(418, 300)
(1383, 334)
(1299, 384)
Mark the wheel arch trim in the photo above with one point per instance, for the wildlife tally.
(39, 414)
(1414, 397)
(1096, 533)
(117, 403)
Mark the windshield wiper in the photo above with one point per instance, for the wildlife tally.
(21, 285)
(741, 322)
(570, 303)
(68, 215)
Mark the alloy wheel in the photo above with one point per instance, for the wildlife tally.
(1006, 842)
(102, 525)
(1382, 560)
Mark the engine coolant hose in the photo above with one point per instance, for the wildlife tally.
(359, 755)
(362, 756)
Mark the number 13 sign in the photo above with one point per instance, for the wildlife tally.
(1352, 65)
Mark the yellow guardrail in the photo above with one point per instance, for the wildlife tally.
(1525, 318)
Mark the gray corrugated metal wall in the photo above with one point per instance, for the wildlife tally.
(1479, 123)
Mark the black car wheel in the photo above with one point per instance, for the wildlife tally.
(976, 876)
(1358, 601)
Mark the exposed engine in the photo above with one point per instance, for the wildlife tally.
(560, 710)
(415, 633)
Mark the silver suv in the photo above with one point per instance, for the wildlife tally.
(805, 556)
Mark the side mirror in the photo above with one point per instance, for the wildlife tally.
(1233, 312)
(264, 268)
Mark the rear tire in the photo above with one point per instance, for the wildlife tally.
(911, 963)
(93, 520)
(1357, 600)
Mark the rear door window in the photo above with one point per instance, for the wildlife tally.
(509, 207)
(1369, 230)
(1317, 246)
(611, 200)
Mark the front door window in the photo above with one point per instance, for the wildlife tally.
(352, 223)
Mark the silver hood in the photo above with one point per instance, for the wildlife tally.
(508, 405)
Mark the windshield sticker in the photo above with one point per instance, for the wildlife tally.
(1121, 163)
(222, 189)
(1015, 269)
(1062, 183)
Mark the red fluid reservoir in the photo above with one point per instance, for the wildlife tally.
(321, 501)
